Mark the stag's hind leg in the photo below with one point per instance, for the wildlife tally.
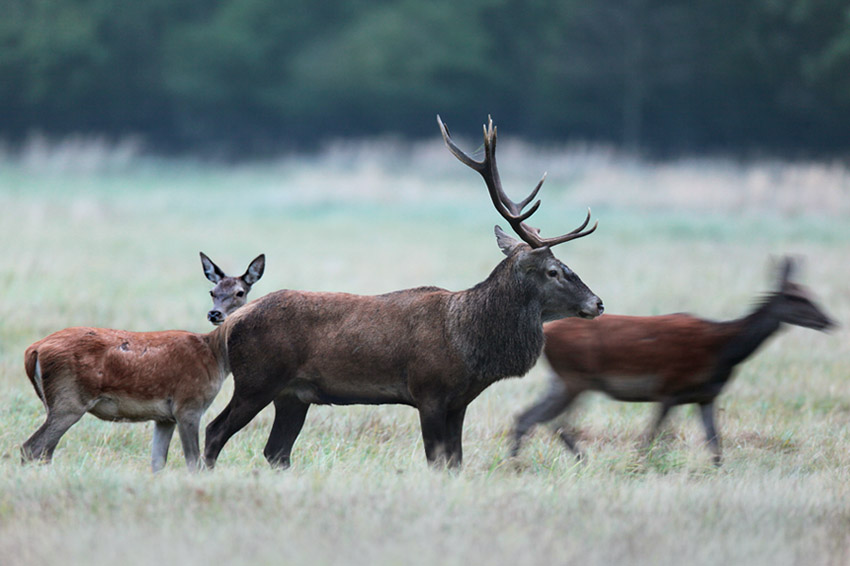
(232, 419)
(454, 437)
(290, 413)
(554, 403)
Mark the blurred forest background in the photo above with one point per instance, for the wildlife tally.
(247, 77)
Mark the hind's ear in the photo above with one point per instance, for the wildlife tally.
(255, 270)
(506, 242)
(786, 269)
(211, 270)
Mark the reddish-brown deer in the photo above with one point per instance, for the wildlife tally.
(169, 377)
(429, 348)
(671, 360)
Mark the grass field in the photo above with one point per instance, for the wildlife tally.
(96, 238)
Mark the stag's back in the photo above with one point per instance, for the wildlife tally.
(343, 348)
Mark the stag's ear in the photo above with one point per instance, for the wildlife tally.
(255, 270)
(506, 243)
(211, 270)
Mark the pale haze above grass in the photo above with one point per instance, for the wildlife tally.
(101, 235)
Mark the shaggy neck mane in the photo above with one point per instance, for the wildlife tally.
(497, 325)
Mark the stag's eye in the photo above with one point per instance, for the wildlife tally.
(552, 273)
(240, 293)
(212, 294)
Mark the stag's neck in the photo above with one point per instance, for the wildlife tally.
(497, 326)
(751, 332)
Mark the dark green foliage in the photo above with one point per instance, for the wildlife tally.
(667, 76)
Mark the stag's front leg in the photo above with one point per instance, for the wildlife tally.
(454, 437)
(289, 416)
(707, 414)
(162, 432)
(432, 418)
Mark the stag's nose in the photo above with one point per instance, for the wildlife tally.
(592, 309)
(215, 317)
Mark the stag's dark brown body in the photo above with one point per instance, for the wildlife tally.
(393, 348)
(429, 348)
(673, 359)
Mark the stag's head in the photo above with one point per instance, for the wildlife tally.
(229, 292)
(794, 304)
(562, 292)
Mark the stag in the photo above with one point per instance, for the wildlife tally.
(168, 377)
(429, 348)
(671, 360)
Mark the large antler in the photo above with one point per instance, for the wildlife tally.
(510, 211)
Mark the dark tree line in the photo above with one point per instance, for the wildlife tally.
(665, 76)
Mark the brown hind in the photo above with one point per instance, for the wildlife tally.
(169, 377)
(671, 360)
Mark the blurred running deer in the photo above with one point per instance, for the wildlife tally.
(432, 349)
(672, 360)
(169, 377)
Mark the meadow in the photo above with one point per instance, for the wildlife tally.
(101, 235)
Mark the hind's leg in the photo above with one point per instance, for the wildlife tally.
(555, 402)
(707, 414)
(660, 417)
(162, 432)
(42, 443)
(188, 426)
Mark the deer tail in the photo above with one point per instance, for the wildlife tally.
(33, 369)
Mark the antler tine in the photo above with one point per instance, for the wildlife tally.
(458, 152)
(577, 233)
(510, 210)
(533, 194)
(487, 168)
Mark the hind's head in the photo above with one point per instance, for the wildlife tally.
(229, 292)
(794, 303)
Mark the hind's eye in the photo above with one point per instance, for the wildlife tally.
(240, 293)
(552, 273)
(212, 294)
